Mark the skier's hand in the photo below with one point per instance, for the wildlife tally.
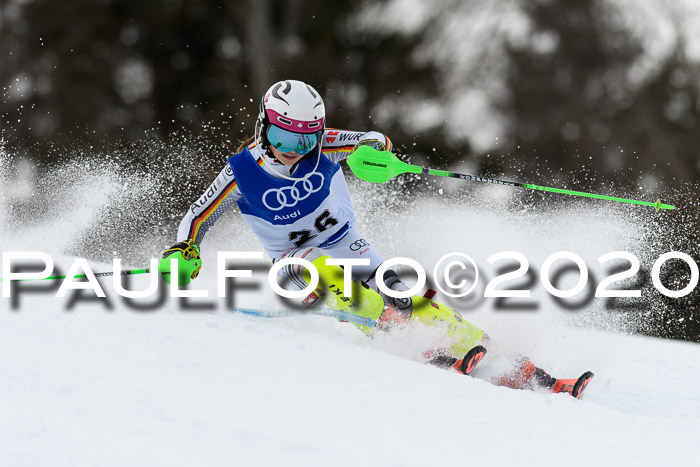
(188, 262)
(374, 143)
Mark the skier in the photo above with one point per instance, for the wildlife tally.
(287, 182)
(289, 187)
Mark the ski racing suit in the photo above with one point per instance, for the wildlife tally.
(291, 216)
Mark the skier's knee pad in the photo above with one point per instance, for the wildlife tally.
(293, 274)
(393, 282)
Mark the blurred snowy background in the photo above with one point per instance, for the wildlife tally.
(609, 84)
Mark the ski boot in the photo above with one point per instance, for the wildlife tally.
(527, 376)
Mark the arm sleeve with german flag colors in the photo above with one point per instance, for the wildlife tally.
(339, 144)
(205, 211)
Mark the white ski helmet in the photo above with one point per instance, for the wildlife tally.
(292, 117)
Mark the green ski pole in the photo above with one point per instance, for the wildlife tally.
(125, 272)
(381, 166)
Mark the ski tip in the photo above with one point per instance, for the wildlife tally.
(581, 384)
(472, 359)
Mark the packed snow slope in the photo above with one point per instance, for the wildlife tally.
(113, 388)
(88, 382)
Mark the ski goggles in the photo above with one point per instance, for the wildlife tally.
(288, 141)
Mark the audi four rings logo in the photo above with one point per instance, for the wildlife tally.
(275, 199)
(358, 244)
